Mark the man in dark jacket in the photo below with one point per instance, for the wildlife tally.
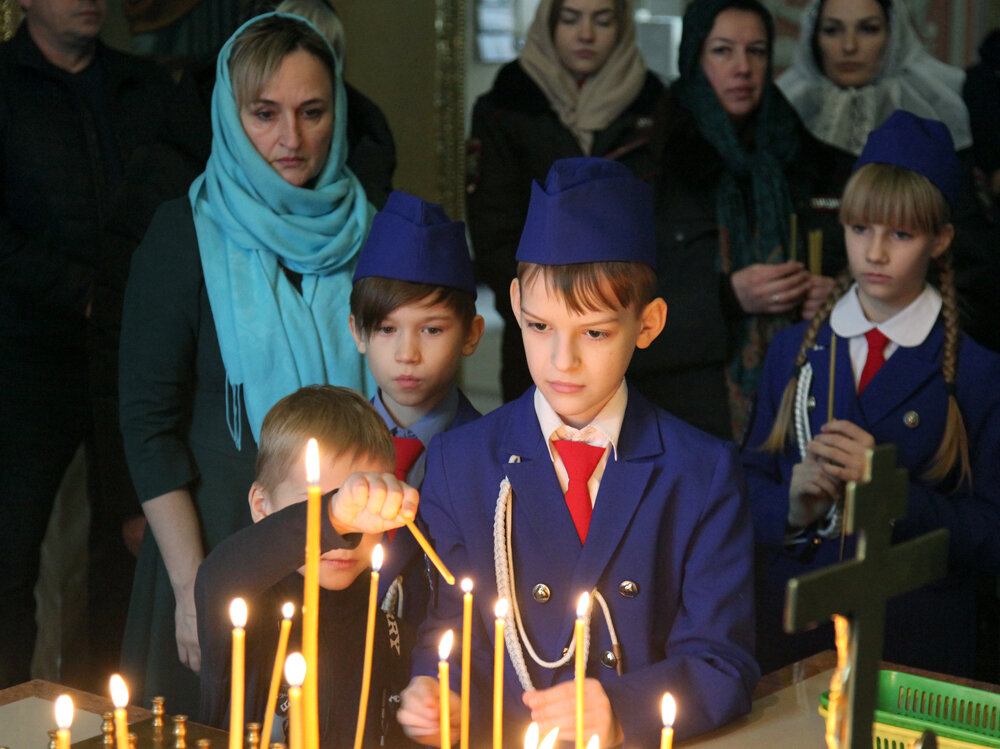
(72, 113)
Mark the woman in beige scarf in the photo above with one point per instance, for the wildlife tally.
(579, 87)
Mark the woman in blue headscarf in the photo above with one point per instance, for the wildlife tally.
(238, 296)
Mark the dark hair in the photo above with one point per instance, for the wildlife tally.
(340, 420)
(817, 54)
(699, 18)
(260, 48)
(620, 10)
(582, 285)
(374, 298)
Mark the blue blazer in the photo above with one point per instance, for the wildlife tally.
(404, 555)
(670, 516)
(905, 404)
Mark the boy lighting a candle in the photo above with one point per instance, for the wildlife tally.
(263, 564)
(582, 485)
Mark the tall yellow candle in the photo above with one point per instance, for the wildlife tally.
(238, 615)
(119, 696)
(669, 710)
(466, 659)
(295, 674)
(444, 650)
(498, 658)
(64, 719)
(287, 612)
(310, 599)
(581, 666)
(366, 674)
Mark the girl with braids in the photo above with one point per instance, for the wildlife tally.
(905, 374)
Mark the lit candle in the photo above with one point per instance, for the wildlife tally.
(287, 612)
(119, 696)
(466, 658)
(238, 615)
(444, 650)
(366, 674)
(295, 674)
(594, 743)
(310, 598)
(669, 709)
(498, 658)
(531, 738)
(64, 719)
(581, 670)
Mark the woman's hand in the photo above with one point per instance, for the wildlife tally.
(420, 713)
(372, 503)
(841, 449)
(186, 628)
(771, 289)
(819, 289)
(811, 492)
(556, 706)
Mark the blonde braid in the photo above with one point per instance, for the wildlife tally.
(779, 434)
(954, 448)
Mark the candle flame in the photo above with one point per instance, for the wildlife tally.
(669, 709)
(119, 692)
(444, 649)
(466, 585)
(594, 742)
(295, 669)
(312, 462)
(531, 737)
(583, 606)
(377, 556)
(550, 739)
(64, 712)
(238, 612)
(501, 608)
(288, 610)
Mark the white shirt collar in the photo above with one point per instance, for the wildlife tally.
(608, 422)
(909, 327)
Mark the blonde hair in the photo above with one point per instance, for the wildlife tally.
(262, 46)
(321, 15)
(898, 197)
(340, 420)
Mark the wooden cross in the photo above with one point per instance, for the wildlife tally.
(858, 588)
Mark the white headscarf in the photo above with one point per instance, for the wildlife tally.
(591, 108)
(909, 78)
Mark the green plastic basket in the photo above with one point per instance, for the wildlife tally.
(908, 705)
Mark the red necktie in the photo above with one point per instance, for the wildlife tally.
(580, 460)
(408, 449)
(877, 341)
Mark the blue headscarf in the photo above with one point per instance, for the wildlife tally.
(250, 222)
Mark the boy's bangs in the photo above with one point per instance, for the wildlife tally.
(895, 197)
(585, 287)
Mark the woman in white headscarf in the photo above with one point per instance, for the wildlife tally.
(860, 60)
(579, 88)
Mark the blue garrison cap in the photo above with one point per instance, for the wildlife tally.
(414, 240)
(920, 145)
(590, 210)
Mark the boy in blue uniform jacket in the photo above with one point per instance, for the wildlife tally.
(413, 313)
(582, 485)
(903, 373)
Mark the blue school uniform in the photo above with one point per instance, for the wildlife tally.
(905, 403)
(403, 555)
(669, 548)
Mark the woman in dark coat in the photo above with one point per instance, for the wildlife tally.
(731, 173)
(238, 296)
(579, 88)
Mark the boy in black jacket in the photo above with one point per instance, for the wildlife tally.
(263, 565)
